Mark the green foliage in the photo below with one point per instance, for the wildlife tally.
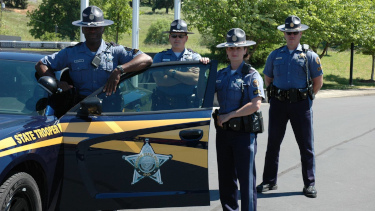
(160, 4)
(259, 19)
(155, 33)
(51, 13)
(16, 3)
(48, 36)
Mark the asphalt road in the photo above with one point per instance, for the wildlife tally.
(345, 161)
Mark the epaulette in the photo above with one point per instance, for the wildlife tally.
(246, 69)
(131, 49)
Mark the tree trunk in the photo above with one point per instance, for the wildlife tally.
(324, 50)
(373, 66)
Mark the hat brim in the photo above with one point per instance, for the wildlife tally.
(175, 31)
(84, 24)
(282, 28)
(227, 45)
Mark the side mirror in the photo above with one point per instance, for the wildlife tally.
(48, 83)
(90, 106)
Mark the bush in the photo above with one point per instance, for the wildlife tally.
(155, 33)
(17, 3)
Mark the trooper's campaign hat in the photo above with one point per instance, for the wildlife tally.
(178, 26)
(292, 24)
(92, 16)
(236, 37)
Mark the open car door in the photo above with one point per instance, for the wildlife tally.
(146, 146)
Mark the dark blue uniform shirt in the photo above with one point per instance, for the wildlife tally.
(228, 88)
(86, 77)
(288, 70)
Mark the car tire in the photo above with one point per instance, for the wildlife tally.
(20, 192)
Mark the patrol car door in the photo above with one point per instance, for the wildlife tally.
(144, 146)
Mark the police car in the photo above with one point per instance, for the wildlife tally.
(105, 153)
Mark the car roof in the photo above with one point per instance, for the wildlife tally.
(32, 56)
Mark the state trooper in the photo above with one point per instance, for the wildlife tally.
(293, 75)
(175, 87)
(93, 63)
(239, 89)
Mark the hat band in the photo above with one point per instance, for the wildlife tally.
(92, 23)
(235, 43)
(293, 28)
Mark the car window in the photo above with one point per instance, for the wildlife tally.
(165, 87)
(20, 92)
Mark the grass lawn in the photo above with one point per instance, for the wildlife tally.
(336, 65)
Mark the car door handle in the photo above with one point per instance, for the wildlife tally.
(191, 135)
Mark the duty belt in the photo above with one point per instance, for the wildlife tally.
(291, 95)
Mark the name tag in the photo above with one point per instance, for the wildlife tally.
(218, 81)
(166, 60)
(279, 57)
(79, 60)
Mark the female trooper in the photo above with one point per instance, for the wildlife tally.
(240, 92)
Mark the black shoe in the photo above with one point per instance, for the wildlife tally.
(263, 187)
(310, 191)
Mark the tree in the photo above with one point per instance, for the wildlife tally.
(159, 4)
(259, 19)
(52, 13)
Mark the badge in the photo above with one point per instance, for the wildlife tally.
(234, 38)
(178, 26)
(91, 17)
(147, 163)
(239, 81)
(291, 24)
(302, 55)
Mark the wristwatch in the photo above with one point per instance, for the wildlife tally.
(120, 68)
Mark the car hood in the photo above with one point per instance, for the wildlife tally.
(12, 124)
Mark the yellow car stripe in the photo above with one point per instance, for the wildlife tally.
(194, 156)
(120, 126)
(36, 145)
(7, 142)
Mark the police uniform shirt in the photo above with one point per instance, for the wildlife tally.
(86, 77)
(228, 88)
(169, 55)
(288, 69)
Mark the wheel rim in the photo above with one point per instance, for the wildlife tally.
(21, 200)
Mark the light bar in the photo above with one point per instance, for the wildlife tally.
(35, 44)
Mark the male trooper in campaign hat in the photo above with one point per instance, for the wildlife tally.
(293, 75)
(93, 63)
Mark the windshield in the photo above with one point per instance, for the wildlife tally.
(19, 89)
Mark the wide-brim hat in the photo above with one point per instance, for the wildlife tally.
(236, 37)
(178, 26)
(292, 24)
(92, 16)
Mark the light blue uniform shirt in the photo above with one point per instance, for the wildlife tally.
(169, 55)
(288, 70)
(228, 88)
(86, 77)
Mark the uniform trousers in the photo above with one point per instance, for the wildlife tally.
(301, 118)
(236, 160)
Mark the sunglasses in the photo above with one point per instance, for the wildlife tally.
(179, 36)
(290, 33)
